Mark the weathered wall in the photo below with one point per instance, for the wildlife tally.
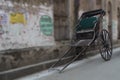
(34, 36)
(30, 56)
(24, 25)
(61, 20)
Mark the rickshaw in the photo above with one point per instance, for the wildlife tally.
(89, 30)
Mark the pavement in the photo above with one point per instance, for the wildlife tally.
(92, 68)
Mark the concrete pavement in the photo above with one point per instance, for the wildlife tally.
(92, 68)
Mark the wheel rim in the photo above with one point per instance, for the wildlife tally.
(106, 45)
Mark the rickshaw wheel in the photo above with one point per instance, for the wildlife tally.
(106, 45)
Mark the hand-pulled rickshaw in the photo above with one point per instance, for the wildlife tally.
(88, 31)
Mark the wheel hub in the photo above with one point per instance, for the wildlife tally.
(106, 45)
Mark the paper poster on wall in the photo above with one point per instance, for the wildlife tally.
(46, 25)
(17, 18)
(3, 19)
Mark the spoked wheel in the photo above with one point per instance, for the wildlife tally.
(106, 45)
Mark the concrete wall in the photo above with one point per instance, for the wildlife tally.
(23, 25)
(26, 33)
(41, 43)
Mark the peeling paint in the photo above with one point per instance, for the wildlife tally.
(25, 32)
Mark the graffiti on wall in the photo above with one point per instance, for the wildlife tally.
(46, 25)
(17, 18)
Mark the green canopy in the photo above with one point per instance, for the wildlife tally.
(87, 23)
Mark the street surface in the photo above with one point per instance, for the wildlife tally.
(92, 68)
